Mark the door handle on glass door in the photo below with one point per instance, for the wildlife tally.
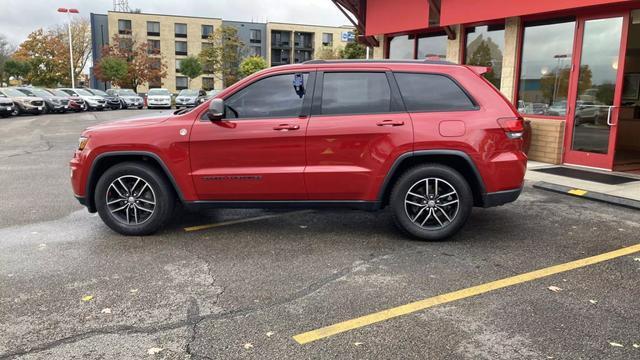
(390, 123)
(286, 127)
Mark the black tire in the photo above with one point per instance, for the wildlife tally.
(414, 179)
(161, 190)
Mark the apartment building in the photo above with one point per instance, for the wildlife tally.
(173, 38)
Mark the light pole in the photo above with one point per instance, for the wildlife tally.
(69, 12)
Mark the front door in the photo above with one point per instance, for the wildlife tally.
(596, 91)
(257, 152)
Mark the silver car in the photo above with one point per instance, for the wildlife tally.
(128, 98)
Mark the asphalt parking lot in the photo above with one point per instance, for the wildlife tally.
(257, 284)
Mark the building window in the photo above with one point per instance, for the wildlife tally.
(208, 83)
(432, 46)
(545, 67)
(181, 30)
(355, 93)
(153, 28)
(485, 47)
(153, 47)
(182, 82)
(401, 47)
(281, 39)
(178, 63)
(304, 40)
(126, 44)
(303, 55)
(181, 48)
(280, 57)
(255, 37)
(255, 51)
(327, 39)
(207, 30)
(124, 27)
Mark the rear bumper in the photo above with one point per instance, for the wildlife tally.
(500, 197)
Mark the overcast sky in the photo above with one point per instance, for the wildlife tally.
(20, 17)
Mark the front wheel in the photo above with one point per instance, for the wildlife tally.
(431, 202)
(134, 199)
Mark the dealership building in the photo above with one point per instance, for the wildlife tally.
(571, 67)
(172, 38)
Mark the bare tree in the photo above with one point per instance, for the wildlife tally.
(81, 35)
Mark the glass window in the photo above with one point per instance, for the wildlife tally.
(327, 39)
(485, 47)
(432, 47)
(181, 30)
(545, 68)
(355, 93)
(153, 28)
(255, 37)
(182, 82)
(124, 27)
(255, 51)
(429, 92)
(178, 63)
(207, 30)
(401, 47)
(153, 47)
(181, 48)
(275, 96)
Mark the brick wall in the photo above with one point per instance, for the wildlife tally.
(546, 140)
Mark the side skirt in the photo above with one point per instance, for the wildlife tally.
(293, 204)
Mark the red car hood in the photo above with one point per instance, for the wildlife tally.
(127, 123)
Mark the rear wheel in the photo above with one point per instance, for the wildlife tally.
(134, 199)
(431, 202)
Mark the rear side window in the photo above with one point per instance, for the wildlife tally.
(430, 92)
(355, 93)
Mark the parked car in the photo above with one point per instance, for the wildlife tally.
(53, 104)
(429, 139)
(92, 102)
(211, 94)
(24, 104)
(113, 102)
(190, 98)
(159, 98)
(7, 108)
(128, 98)
(76, 103)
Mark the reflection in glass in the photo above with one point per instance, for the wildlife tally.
(545, 68)
(401, 47)
(485, 47)
(596, 85)
(432, 47)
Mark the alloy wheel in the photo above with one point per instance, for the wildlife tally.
(432, 203)
(131, 200)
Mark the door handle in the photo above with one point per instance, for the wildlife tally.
(609, 120)
(286, 127)
(390, 123)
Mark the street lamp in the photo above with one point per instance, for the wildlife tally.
(69, 12)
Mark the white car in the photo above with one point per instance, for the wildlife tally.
(92, 102)
(159, 98)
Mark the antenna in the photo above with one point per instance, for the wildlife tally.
(121, 5)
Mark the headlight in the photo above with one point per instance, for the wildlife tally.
(56, 101)
(82, 142)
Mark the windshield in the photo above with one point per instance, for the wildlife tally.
(99, 92)
(82, 92)
(126, 92)
(13, 92)
(188, 93)
(41, 93)
(57, 92)
(164, 92)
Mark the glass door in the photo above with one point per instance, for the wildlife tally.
(596, 90)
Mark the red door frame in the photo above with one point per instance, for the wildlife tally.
(602, 161)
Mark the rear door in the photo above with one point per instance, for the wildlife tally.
(357, 129)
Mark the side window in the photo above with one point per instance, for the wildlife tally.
(275, 96)
(430, 92)
(355, 93)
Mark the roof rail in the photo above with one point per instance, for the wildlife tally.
(376, 61)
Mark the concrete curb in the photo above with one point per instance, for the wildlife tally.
(590, 195)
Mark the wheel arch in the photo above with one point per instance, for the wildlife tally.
(458, 160)
(107, 160)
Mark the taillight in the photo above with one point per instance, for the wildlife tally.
(513, 127)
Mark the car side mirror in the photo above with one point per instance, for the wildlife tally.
(216, 110)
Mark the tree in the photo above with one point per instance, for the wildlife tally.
(45, 53)
(16, 68)
(482, 57)
(252, 64)
(190, 67)
(114, 70)
(142, 68)
(222, 54)
(6, 50)
(81, 39)
(329, 53)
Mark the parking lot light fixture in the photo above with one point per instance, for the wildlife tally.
(69, 12)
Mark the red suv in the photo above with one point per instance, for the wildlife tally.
(428, 139)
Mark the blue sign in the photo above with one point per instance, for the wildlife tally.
(348, 36)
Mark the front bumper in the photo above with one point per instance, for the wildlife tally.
(7, 109)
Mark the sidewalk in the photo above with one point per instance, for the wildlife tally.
(601, 192)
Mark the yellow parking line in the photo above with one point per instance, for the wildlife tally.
(383, 315)
(240, 221)
(577, 192)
